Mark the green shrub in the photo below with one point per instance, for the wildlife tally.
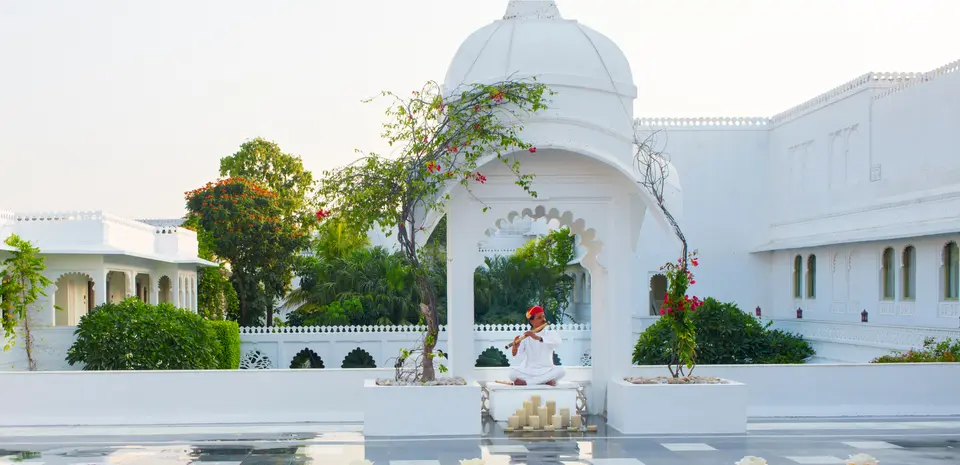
(725, 336)
(306, 359)
(944, 351)
(228, 334)
(132, 335)
(492, 357)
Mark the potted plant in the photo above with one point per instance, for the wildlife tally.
(441, 141)
(681, 402)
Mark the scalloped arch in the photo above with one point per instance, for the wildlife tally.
(586, 236)
(74, 273)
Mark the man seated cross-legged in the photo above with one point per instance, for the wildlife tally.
(534, 355)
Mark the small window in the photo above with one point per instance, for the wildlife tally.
(951, 271)
(909, 278)
(889, 278)
(812, 277)
(798, 277)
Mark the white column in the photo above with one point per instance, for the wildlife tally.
(154, 289)
(175, 297)
(462, 259)
(130, 284)
(99, 287)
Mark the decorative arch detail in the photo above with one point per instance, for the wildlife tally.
(587, 237)
(255, 360)
(306, 358)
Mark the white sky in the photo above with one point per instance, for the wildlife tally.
(124, 105)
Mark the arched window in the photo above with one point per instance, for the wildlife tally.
(812, 277)
(658, 290)
(797, 277)
(951, 271)
(909, 278)
(887, 273)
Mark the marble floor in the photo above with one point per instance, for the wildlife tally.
(894, 441)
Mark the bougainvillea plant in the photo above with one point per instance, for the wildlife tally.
(654, 168)
(247, 229)
(677, 307)
(440, 140)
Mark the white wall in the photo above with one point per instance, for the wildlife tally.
(335, 395)
(839, 390)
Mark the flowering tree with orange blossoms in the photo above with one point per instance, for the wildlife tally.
(247, 229)
(440, 141)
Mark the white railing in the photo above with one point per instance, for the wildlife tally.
(725, 122)
(55, 216)
(920, 79)
(276, 347)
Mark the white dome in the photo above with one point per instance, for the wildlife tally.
(533, 39)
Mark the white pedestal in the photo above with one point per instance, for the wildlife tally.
(505, 399)
(421, 410)
(677, 408)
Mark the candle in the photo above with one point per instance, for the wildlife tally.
(544, 416)
(513, 422)
(551, 408)
(528, 407)
(565, 413)
(557, 421)
(535, 400)
(548, 428)
(522, 415)
(575, 421)
(534, 422)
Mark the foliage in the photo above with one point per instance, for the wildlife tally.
(133, 335)
(228, 335)
(556, 359)
(441, 141)
(535, 275)
(724, 335)
(264, 164)
(246, 224)
(382, 284)
(306, 359)
(216, 297)
(358, 358)
(492, 357)
(21, 285)
(945, 351)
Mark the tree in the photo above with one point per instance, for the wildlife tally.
(216, 297)
(22, 285)
(263, 163)
(550, 256)
(245, 224)
(655, 170)
(440, 141)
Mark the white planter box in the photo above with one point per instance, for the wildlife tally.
(677, 408)
(421, 410)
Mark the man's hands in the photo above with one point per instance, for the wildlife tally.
(531, 335)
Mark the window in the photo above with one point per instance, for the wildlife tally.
(889, 279)
(951, 271)
(909, 278)
(797, 277)
(812, 277)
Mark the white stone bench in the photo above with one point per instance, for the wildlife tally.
(506, 399)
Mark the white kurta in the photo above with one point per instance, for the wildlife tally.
(534, 361)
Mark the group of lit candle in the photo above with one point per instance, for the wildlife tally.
(534, 416)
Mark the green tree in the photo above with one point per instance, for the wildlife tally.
(216, 297)
(22, 285)
(440, 141)
(263, 163)
(245, 224)
(548, 257)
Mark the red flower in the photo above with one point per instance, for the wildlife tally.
(693, 281)
(322, 214)
(532, 149)
(695, 262)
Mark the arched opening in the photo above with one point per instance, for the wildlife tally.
(658, 291)
(165, 290)
(797, 277)
(116, 286)
(888, 274)
(142, 284)
(950, 273)
(72, 299)
(812, 277)
(909, 278)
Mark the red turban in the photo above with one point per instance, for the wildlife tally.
(536, 309)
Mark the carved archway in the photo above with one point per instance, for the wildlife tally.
(658, 290)
(165, 289)
(73, 298)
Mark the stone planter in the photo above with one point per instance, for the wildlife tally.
(421, 410)
(677, 408)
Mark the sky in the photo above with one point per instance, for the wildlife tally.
(122, 106)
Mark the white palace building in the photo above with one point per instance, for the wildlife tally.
(838, 218)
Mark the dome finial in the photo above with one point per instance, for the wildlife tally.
(532, 9)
